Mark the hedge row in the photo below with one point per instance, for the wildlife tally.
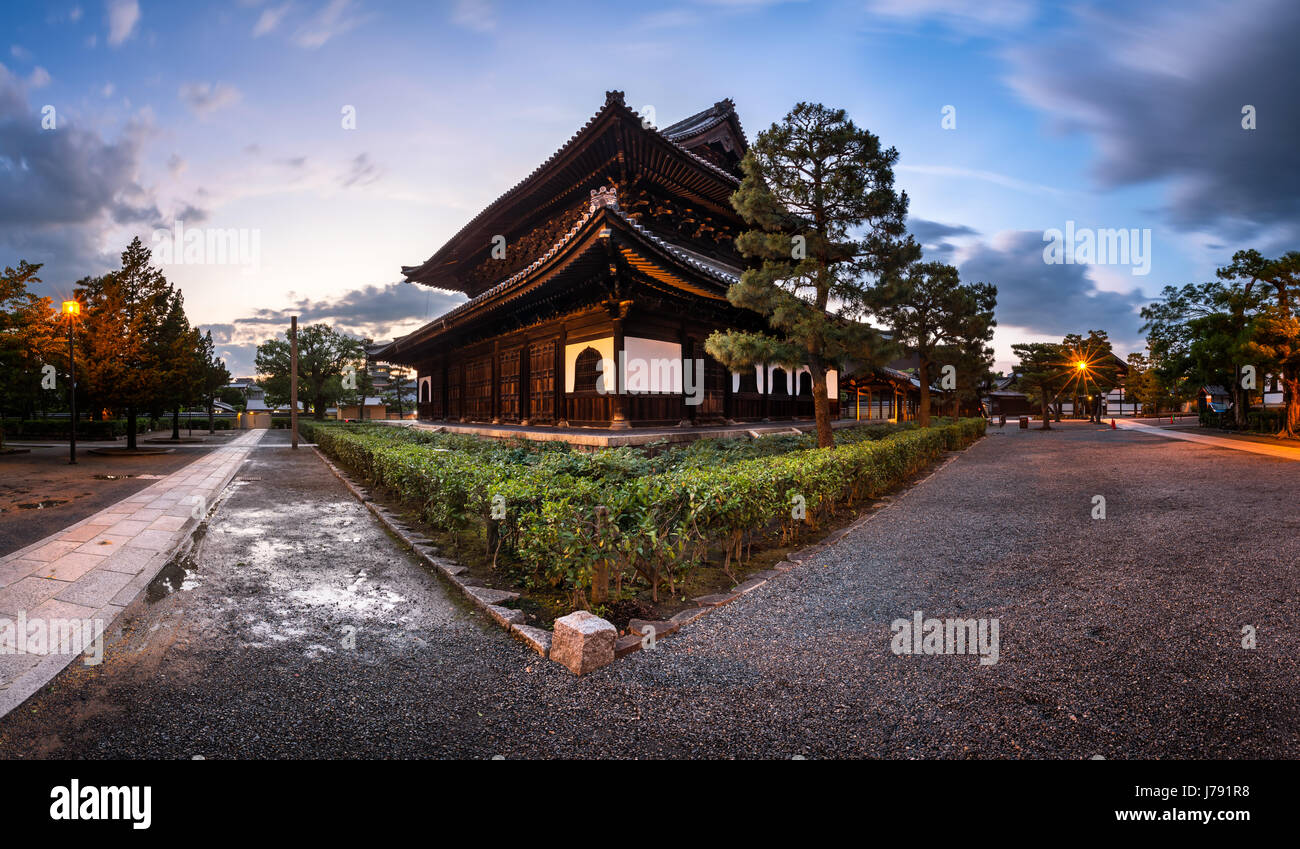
(52, 428)
(569, 519)
(1257, 421)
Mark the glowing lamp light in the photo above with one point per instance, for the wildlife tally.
(71, 308)
(1081, 365)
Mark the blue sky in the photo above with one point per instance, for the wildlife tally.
(228, 115)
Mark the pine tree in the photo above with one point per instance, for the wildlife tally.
(1275, 339)
(124, 364)
(929, 309)
(214, 374)
(819, 195)
(1042, 374)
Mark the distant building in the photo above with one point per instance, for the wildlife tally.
(374, 410)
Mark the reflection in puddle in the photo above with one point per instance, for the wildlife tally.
(41, 505)
(179, 575)
(125, 476)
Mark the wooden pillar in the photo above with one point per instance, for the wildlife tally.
(561, 417)
(688, 363)
(618, 414)
(525, 383)
(495, 406)
(767, 393)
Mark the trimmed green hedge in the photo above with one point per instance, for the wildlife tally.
(58, 428)
(661, 515)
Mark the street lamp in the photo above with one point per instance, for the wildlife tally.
(72, 309)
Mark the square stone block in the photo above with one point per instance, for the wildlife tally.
(582, 641)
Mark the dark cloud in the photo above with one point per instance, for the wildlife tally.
(1162, 93)
(1052, 300)
(368, 311)
(361, 171)
(933, 237)
(206, 98)
(192, 214)
(60, 188)
(933, 232)
(371, 312)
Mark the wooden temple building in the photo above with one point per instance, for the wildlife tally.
(592, 286)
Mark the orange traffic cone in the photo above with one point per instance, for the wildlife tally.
(1112, 424)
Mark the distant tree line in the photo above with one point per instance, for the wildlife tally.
(135, 349)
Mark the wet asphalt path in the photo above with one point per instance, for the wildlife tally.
(1119, 637)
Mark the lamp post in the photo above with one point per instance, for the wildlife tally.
(72, 309)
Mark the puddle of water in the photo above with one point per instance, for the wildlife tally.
(41, 505)
(179, 575)
(124, 477)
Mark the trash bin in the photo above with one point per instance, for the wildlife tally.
(1024, 422)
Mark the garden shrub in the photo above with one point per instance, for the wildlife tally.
(661, 515)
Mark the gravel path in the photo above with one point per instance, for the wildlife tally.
(1118, 637)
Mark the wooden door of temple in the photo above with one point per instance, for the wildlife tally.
(541, 383)
(478, 389)
(455, 405)
(508, 367)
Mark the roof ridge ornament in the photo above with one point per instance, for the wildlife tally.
(614, 97)
(605, 196)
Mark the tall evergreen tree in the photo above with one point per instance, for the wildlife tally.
(1042, 374)
(124, 363)
(214, 376)
(827, 223)
(1275, 338)
(929, 309)
(29, 340)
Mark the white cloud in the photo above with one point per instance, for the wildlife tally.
(123, 16)
(39, 78)
(205, 98)
(477, 15)
(335, 18)
(22, 54)
(959, 14)
(270, 19)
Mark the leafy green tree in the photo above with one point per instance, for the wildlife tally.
(399, 390)
(1275, 334)
(1092, 369)
(29, 340)
(929, 309)
(214, 377)
(1197, 335)
(179, 352)
(818, 193)
(357, 383)
(234, 397)
(323, 353)
(1043, 374)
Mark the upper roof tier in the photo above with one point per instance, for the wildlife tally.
(695, 159)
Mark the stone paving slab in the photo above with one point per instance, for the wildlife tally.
(1286, 452)
(95, 568)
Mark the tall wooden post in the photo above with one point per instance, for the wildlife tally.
(618, 405)
(293, 381)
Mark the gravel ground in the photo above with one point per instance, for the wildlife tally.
(1118, 637)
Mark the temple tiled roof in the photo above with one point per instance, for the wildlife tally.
(703, 121)
(614, 105)
(721, 273)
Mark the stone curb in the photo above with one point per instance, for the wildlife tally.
(539, 639)
(484, 598)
